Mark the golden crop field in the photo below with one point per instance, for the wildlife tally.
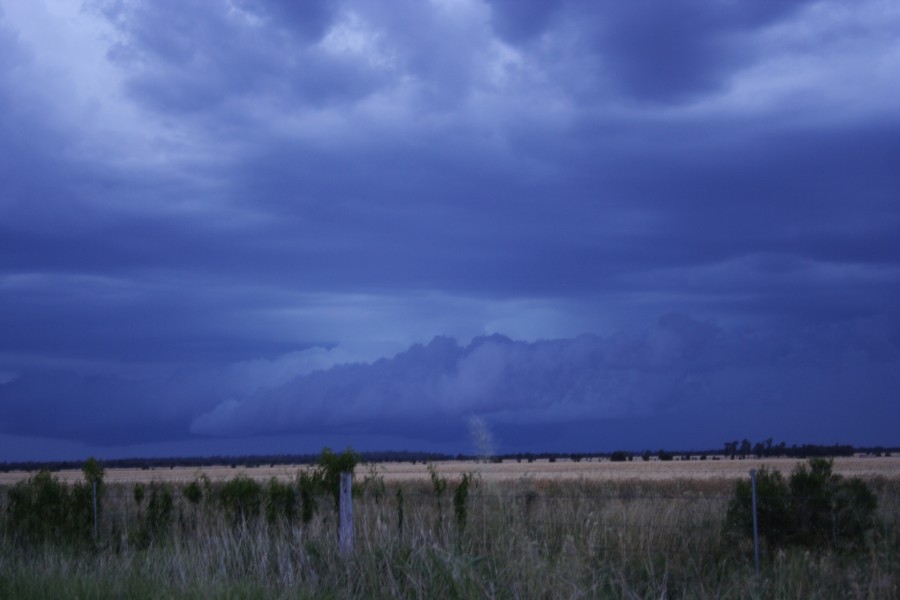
(510, 470)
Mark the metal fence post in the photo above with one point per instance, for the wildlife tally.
(755, 529)
(346, 514)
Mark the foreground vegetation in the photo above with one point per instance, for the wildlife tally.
(442, 538)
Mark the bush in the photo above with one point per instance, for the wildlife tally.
(193, 493)
(308, 484)
(241, 498)
(138, 493)
(460, 500)
(772, 507)
(38, 508)
(41, 508)
(281, 501)
(330, 467)
(93, 472)
(156, 521)
(814, 508)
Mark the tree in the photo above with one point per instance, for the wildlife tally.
(731, 448)
(93, 472)
(813, 508)
(759, 449)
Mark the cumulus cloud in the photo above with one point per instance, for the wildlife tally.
(681, 369)
(680, 366)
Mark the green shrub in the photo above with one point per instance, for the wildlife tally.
(281, 501)
(331, 466)
(193, 492)
(308, 485)
(93, 472)
(324, 479)
(460, 501)
(41, 508)
(439, 484)
(81, 510)
(138, 493)
(772, 507)
(156, 520)
(813, 508)
(241, 498)
(38, 508)
(373, 483)
(854, 510)
(812, 487)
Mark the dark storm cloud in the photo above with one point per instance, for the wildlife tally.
(201, 57)
(651, 51)
(200, 184)
(680, 368)
(104, 410)
(114, 410)
(665, 51)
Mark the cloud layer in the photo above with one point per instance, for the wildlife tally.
(188, 186)
(810, 383)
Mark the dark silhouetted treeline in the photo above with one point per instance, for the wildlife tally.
(243, 461)
(733, 450)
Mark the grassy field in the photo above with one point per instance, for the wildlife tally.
(527, 530)
(510, 470)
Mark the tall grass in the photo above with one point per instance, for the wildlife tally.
(527, 539)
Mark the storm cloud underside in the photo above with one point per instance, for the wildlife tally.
(228, 220)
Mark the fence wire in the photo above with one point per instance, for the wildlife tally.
(682, 522)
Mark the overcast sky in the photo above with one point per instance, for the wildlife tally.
(230, 226)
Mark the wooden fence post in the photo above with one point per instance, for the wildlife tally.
(346, 513)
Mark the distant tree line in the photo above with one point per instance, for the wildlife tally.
(766, 448)
(244, 461)
(735, 449)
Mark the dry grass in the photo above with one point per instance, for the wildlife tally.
(866, 467)
(538, 530)
(509, 470)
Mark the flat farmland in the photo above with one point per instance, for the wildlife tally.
(888, 467)
(509, 470)
(541, 529)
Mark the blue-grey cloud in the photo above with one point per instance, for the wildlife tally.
(190, 185)
(679, 367)
(809, 383)
(644, 50)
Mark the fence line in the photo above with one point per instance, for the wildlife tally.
(627, 523)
